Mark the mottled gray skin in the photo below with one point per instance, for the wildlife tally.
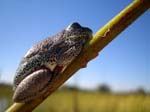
(46, 59)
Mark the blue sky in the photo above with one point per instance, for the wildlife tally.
(124, 64)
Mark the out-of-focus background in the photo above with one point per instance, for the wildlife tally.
(118, 80)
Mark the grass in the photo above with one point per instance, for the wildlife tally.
(5, 96)
(69, 101)
(63, 101)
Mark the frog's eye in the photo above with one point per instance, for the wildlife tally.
(74, 25)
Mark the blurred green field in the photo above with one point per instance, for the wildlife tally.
(83, 101)
(68, 101)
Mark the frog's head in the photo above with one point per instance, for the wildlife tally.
(77, 32)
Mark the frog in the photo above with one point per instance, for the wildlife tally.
(47, 59)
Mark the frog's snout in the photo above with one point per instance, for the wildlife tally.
(88, 31)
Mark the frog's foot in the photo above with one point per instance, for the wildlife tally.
(94, 56)
(84, 63)
(58, 69)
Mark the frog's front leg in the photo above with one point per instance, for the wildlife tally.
(34, 85)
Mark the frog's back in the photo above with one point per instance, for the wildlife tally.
(35, 57)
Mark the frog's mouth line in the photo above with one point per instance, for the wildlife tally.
(83, 35)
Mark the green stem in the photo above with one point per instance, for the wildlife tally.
(103, 37)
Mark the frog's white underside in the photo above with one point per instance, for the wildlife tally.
(51, 66)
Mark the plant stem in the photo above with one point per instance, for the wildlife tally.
(103, 37)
